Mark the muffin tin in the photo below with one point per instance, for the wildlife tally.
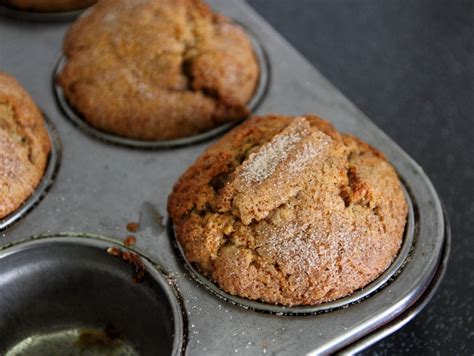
(100, 187)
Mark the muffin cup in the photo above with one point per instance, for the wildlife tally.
(382, 281)
(48, 179)
(253, 104)
(58, 292)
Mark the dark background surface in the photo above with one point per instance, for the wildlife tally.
(409, 65)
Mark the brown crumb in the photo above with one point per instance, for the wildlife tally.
(132, 227)
(114, 251)
(131, 258)
(130, 240)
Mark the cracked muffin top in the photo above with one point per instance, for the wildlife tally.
(288, 211)
(157, 69)
(48, 5)
(24, 145)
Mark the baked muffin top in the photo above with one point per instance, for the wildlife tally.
(49, 5)
(157, 69)
(24, 145)
(287, 210)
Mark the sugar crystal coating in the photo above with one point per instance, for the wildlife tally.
(288, 211)
(157, 69)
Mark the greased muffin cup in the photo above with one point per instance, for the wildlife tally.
(73, 295)
(101, 188)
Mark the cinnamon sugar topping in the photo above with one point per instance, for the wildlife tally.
(262, 164)
(308, 217)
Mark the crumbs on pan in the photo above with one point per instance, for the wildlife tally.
(131, 258)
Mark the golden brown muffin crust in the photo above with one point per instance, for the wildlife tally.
(49, 5)
(24, 145)
(157, 69)
(288, 211)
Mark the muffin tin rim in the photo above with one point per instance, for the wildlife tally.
(156, 272)
(391, 272)
(253, 104)
(417, 306)
(40, 17)
(47, 180)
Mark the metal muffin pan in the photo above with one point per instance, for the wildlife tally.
(54, 160)
(253, 104)
(101, 187)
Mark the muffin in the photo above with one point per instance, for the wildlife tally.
(49, 5)
(24, 145)
(288, 211)
(157, 69)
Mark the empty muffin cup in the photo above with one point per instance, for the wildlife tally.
(69, 295)
(383, 280)
(253, 104)
(48, 178)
